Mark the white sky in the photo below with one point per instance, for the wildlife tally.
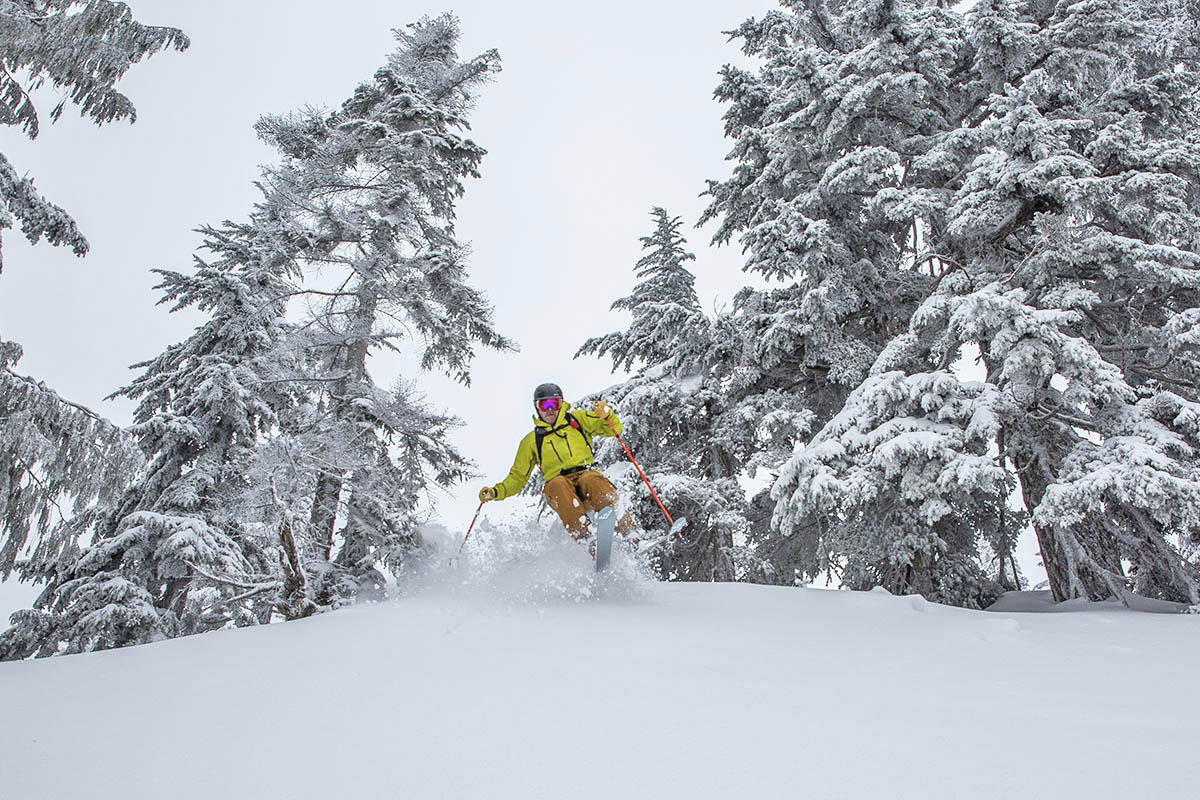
(602, 111)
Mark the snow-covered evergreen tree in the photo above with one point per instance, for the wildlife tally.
(251, 419)
(373, 187)
(664, 305)
(1078, 229)
(906, 491)
(56, 458)
(835, 120)
(167, 557)
(668, 429)
(668, 410)
(54, 453)
(81, 49)
(1057, 218)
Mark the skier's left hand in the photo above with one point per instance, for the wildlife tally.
(601, 409)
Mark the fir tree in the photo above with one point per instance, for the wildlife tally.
(373, 186)
(54, 452)
(56, 459)
(249, 421)
(1057, 221)
(1078, 232)
(907, 493)
(167, 557)
(664, 304)
(830, 133)
(669, 409)
(668, 428)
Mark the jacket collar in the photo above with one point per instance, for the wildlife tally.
(562, 413)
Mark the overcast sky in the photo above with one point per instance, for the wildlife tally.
(601, 112)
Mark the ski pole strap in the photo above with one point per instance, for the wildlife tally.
(653, 493)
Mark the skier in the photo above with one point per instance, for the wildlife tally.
(561, 444)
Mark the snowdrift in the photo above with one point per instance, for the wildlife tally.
(538, 682)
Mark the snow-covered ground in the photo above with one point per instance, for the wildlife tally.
(533, 681)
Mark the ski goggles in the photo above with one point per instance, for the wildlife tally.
(549, 404)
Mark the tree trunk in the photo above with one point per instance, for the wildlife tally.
(1069, 578)
(324, 512)
(328, 494)
(295, 602)
(1076, 558)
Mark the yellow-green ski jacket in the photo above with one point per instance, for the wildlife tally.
(563, 447)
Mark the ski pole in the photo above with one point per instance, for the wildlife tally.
(468, 536)
(675, 527)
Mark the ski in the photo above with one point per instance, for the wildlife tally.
(606, 520)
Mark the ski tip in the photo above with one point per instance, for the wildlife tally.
(679, 525)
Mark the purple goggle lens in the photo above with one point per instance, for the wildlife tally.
(549, 404)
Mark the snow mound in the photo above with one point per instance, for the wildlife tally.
(476, 685)
(1042, 602)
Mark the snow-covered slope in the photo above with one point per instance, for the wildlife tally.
(537, 684)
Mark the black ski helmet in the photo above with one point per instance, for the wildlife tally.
(546, 390)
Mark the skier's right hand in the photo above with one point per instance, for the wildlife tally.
(487, 493)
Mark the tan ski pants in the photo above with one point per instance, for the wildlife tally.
(572, 496)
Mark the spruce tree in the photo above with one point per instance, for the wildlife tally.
(373, 186)
(53, 449)
(907, 493)
(245, 423)
(832, 125)
(168, 557)
(1078, 231)
(1056, 224)
(56, 457)
(669, 409)
(664, 304)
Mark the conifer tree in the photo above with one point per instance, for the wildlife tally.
(664, 304)
(373, 186)
(1078, 231)
(1053, 216)
(245, 420)
(669, 409)
(167, 557)
(57, 457)
(835, 120)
